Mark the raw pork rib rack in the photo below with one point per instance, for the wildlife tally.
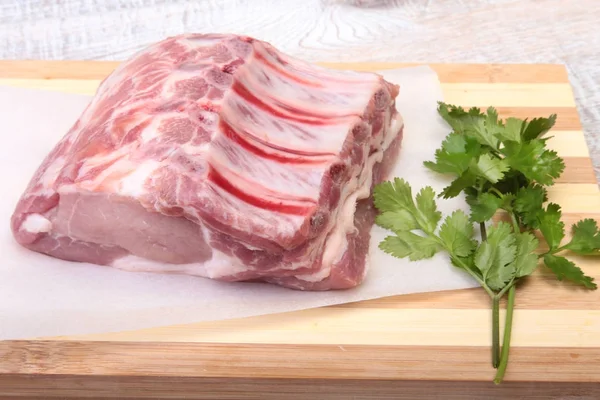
(218, 156)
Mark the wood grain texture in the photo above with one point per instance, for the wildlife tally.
(133, 388)
(450, 73)
(391, 347)
(293, 361)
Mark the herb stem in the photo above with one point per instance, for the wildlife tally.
(507, 333)
(510, 284)
(480, 281)
(557, 250)
(470, 271)
(483, 231)
(496, 191)
(515, 223)
(480, 186)
(495, 331)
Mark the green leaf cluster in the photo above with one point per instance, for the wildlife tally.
(499, 166)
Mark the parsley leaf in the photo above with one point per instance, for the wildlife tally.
(551, 226)
(484, 206)
(467, 179)
(586, 238)
(492, 128)
(393, 196)
(457, 117)
(455, 155)
(428, 215)
(534, 161)
(565, 269)
(512, 130)
(526, 261)
(494, 257)
(400, 220)
(484, 129)
(499, 277)
(408, 244)
(537, 127)
(475, 124)
(549, 167)
(490, 168)
(457, 234)
(528, 203)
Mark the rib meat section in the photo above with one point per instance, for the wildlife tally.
(221, 157)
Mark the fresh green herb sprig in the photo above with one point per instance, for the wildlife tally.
(499, 166)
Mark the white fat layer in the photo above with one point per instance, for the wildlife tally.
(318, 276)
(296, 187)
(202, 41)
(220, 265)
(333, 96)
(36, 223)
(151, 131)
(336, 242)
(52, 171)
(247, 217)
(139, 264)
(223, 265)
(100, 161)
(133, 184)
(396, 124)
(296, 135)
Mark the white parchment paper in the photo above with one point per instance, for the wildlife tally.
(41, 296)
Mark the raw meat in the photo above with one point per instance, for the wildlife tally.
(218, 156)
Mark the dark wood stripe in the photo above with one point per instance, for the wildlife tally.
(448, 73)
(24, 387)
(264, 361)
(578, 170)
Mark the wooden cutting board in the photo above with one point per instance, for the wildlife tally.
(422, 345)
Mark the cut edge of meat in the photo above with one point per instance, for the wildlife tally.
(351, 269)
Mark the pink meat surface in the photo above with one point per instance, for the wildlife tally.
(218, 156)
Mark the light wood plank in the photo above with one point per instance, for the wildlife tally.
(466, 94)
(472, 73)
(268, 361)
(84, 86)
(52, 69)
(509, 94)
(576, 197)
(568, 143)
(385, 326)
(476, 73)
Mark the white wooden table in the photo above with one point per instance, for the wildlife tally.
(466, 31)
